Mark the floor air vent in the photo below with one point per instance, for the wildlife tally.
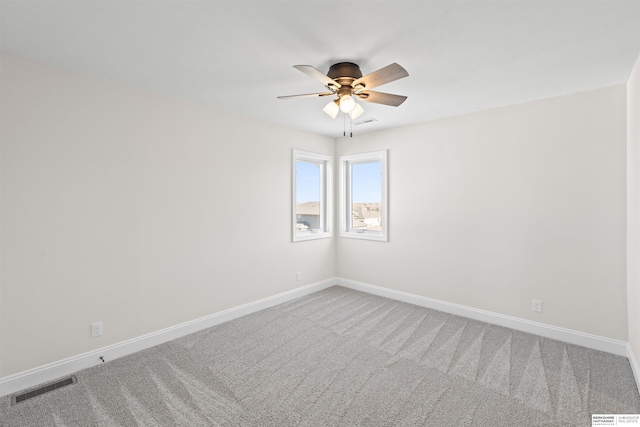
(42, 390)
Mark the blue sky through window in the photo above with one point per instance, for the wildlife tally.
(366, 182)
(307, 182)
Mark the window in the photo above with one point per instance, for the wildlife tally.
(312, 195)
(363, 196)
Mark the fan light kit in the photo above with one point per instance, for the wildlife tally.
(345, 81)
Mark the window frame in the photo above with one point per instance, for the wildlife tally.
(346, 204)
(326, 195)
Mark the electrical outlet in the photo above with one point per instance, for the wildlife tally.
(298, 276)
(536, 305)
(96, 329)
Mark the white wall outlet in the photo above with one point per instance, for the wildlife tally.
(298, 276)
(96, 329)
(536, 305)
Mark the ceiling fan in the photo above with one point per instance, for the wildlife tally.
(345, 80)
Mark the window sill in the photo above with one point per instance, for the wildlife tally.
(310, 235)
(365, 235)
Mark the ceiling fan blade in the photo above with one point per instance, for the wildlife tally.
(306, 95)
(382, 76)
(318, 75)
(382, 98)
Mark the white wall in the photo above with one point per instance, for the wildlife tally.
(136, 209)
(633, 210)
(493, 209)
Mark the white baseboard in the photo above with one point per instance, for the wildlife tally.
(633, 361)
(61, 368)
(561, 334)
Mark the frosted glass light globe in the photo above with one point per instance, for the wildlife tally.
(332, 109)
(347, 104)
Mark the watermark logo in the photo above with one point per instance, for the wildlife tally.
(615, 420)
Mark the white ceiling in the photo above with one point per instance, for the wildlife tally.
(462, 56)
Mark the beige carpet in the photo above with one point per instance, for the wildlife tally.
(344, 358)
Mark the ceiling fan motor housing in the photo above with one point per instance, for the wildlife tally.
(344, 73)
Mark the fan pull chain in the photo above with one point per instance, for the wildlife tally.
(350, 126)
(344, 125)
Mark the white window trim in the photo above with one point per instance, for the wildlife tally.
(326, 196)
(345, 196)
